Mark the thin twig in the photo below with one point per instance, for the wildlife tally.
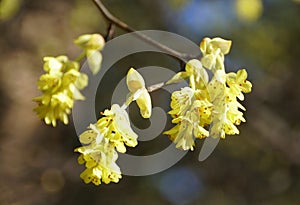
(155, 87)
(110, 18)
(110, 32)
(113, 20)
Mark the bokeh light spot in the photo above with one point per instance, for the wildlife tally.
(52, 180)
(180, 186)
(249, 10)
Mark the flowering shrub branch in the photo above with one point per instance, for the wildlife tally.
(205, 108)
(120, 24)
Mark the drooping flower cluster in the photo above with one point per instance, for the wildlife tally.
(111, 132)
(190, 113)
(63, 81)
(205, 102)
(60, 86)
(206, 108)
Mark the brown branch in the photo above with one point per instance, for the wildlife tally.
(183, 57)
(110, 18)
(155, 87)
(110, 32)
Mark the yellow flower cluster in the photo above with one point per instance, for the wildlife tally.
(111, 132)
(205, 102)
(224, 95)
(60, 86)
(62, 82)
(190, 113)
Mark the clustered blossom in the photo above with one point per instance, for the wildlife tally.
(101, 142)
(63, 81)
(205, 102)
(205, 108)
(60, 86)
(110, 135)
(186, 109)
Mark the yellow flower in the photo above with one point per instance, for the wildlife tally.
(204, 107)
(55, 65)
(186, 111)
(101, 141)
(226, 114)
(233, 117)
(61, 85)
(182, 135)
(91, 175)
(100, 161)
(205, 102)
(238, 83)
(92, 44)
(209, 46)
(195, 72)
(136, 86)
(181, 101)
(213, 51)
(116, 127)
(54, 107)
(90, 41)
(217, 91)
(186, 129)
(226, 121)
(50, 83)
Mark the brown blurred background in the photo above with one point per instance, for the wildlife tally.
(260, 166)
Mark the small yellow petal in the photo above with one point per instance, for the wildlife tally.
(134, 80)
(144, 103)
(223, 44)
(87, 137)
(94, 58)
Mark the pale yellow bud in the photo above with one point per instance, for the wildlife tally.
(134, 80)
(90, 41)
(136, 85)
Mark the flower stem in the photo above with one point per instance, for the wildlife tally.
(182, 57)
(80, 57)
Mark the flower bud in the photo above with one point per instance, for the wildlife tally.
(134, 80)
(90, 41)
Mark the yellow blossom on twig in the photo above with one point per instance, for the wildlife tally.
(60, 85)
(92, 44)
(136, 86)
(110, 133)
(207, 102)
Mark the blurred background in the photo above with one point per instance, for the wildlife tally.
(260, 166)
